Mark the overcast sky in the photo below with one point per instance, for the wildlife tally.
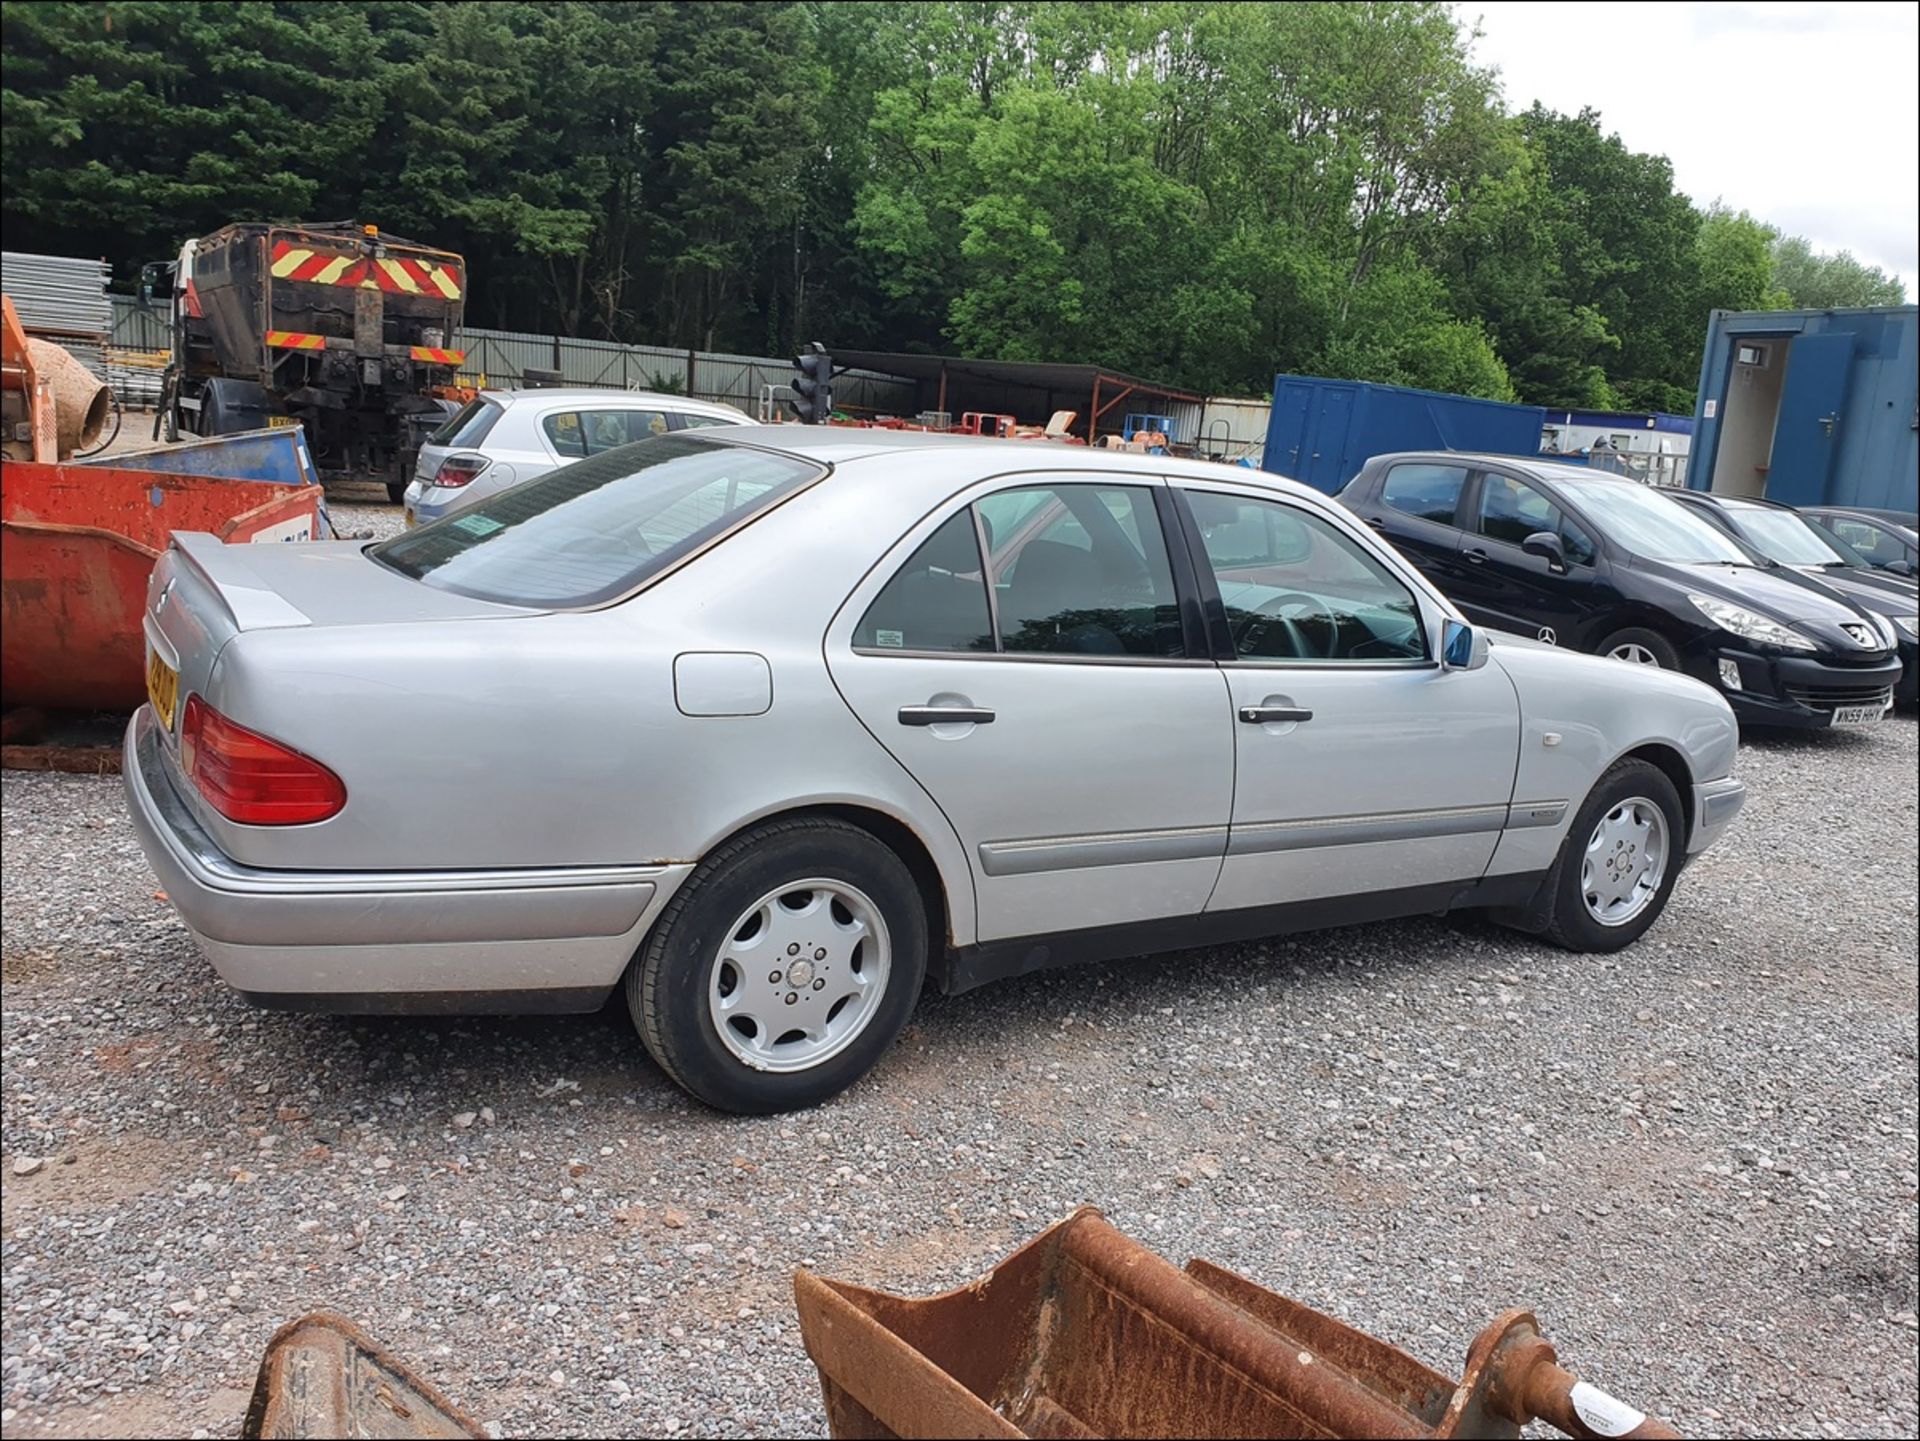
(1807, 115)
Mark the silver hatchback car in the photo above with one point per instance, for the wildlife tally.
(770, 726)
(503, 437)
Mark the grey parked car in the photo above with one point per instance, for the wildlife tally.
(504, 437)
(771, 725)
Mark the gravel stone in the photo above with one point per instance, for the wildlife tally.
(1694, 1160)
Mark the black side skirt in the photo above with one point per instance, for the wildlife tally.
(966, 967)
(546, 1001)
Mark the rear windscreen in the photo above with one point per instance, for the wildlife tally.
(469, 426)
(595, 530)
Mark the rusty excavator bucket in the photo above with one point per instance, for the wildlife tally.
(323, 1376)
(1085, 1332)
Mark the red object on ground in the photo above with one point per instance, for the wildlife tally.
(77, 543)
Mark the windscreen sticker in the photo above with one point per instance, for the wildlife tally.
(478, 525)
(895, 638)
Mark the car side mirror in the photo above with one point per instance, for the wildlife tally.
(1546, 545)
(1462, 647)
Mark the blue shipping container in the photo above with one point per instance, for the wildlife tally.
(1323, 431)
(1810, 407)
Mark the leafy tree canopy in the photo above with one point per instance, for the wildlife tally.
(1204, 192)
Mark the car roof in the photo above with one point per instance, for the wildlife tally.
(565, 395)
(1532, 465)
(836, 444)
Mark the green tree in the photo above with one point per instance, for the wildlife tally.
(1830, 282)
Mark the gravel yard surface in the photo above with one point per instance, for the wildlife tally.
(1695, 1160)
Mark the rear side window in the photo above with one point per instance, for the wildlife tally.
(593, 531)
(470, 426)
(1429, 492)
(937, 601)
(1081, 570)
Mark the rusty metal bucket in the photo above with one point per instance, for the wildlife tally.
(1085, 1332)
(323, 1376)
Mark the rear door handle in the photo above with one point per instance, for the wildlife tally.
(945, 715)
(1376, 522)
(1260, 715)
(1475, 557)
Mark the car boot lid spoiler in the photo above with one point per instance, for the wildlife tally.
(250, 601)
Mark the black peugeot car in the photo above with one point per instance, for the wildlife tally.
(1613, 567)
(1787, 538)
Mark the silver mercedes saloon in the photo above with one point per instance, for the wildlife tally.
(768, 727)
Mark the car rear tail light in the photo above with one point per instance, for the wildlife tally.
(458, 470)
(251, 779)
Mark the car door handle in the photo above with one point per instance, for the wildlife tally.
(1261, 715)
(1376, 522)
(1474, 557)
(945, 715)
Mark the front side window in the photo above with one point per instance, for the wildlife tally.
(938, 599)
(1511, 510)
(1877, 546)
(1081, 570)
(1296, 587)
(1428, 492)
(597, 529)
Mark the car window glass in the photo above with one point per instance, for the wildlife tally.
(469, 426)
(937, 601)
(1297, 587)
(1653, 526)
(1876, 545)
(1577, 543)
(597, 529)
(1431, 492)
(565, 433)
(1783, 536)
(1081, 570)
(695, 422)
(1511, 510)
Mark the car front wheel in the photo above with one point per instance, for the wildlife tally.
(1619, 862)
(1641, 647)
(783, 968)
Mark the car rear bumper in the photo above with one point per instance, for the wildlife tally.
(451, 941)
(1801, 692)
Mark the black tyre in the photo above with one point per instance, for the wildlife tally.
(396, 491)
(1619, 862)
(1642, 647)
(783, 968)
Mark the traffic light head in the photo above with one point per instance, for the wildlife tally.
(812, 385)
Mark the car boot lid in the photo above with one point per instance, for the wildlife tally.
(325, 583)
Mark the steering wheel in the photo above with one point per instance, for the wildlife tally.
(1282, 608)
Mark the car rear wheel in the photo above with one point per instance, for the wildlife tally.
(783, 968)
(1619, 862)
(1641, 647)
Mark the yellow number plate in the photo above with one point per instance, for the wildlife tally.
(163, 687)
(279, 422)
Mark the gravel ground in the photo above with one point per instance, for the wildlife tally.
(1695, 1161)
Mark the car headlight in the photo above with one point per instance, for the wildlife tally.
(1749, 625)
(1910, 624)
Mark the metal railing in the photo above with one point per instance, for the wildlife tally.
(499, 359)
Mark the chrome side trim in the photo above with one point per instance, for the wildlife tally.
(1117, 848)
(1261, 837)
(1523, 814)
